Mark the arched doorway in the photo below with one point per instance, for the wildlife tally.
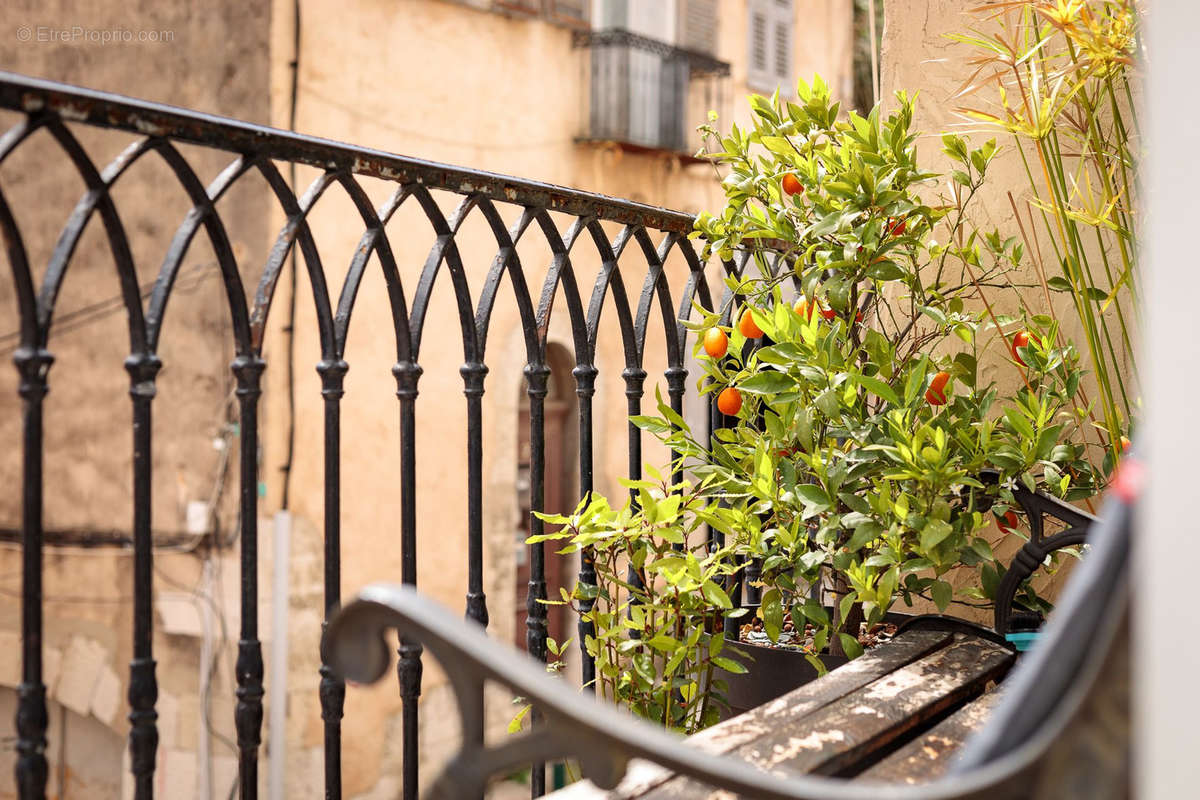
(561, 490)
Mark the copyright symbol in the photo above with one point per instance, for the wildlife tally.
(24, 34)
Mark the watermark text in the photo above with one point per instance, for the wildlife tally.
(82, 34)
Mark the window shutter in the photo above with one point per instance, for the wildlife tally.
(521, 6)
(781, 46)
(611, 14)
(758, 71)
(569, 12)
(698, 25)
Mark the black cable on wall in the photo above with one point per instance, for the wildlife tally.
(290, 329)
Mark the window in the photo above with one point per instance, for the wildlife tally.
(569, 12)
(769, 54)
(697, 26)
(866, 60)
(651, 73)
(573, 13)
(523, 6)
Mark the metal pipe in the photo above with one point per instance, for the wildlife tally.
(277, 723)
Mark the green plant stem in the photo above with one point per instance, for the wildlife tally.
(1082, 303)
(1094, 325)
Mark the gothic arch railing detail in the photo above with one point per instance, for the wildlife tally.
(631, 244)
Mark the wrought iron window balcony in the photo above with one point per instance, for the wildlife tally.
(647, 95)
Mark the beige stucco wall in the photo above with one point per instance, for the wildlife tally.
(918, 55)
(427, 78)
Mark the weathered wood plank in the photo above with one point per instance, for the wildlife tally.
(845, 732)
(787, 710)
(928, 757)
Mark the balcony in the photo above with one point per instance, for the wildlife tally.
(596, 252)
(645, 95)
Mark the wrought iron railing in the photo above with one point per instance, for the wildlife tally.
(162, 131)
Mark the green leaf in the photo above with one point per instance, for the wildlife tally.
(652, 424)
(916, 379)
(863, 534)
(885, 271)
(827, 402)
(934, 533)
(982, 549)
(935, 314)
(813, 496)
(966, 368)
(767, 382)
(672, 416)
(856, 502)
(815, 612)
(715, 595)
(942, 593)
(663, 643)
(514, 726)
(847, 602)
(771, 610)
(850, 645)
(877, 388)
(1019, 423)
(729, 665)
(989, 578)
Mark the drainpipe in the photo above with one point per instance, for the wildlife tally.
(277, 723)
(277, 705)
(204, 773)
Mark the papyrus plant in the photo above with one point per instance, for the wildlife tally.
(1060, 76)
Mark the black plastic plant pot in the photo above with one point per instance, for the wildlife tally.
(775, 671)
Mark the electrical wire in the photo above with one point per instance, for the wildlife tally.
(290, 329)
(189, 279)
(222, 646)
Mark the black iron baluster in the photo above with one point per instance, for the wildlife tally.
(537, 376)
(248, 713)
(585, 389)
(635, 379)
(32, 721)
(332, 687)
(473, 374)
(753, 588)
(143, 685)
(408, 665)
(676, 385)
(535, 620)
